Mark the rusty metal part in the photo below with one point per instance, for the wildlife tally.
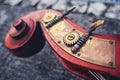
(48, 17)
(96, 50)
(57, 19)
(24, 38)
(79, 43)
(85, 37)
(71, 38)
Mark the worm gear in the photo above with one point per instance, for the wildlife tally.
(71, 38)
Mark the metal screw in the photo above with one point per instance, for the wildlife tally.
(59, 42)
(78, 54)
(74, 29)
(110, 42)
(110, 63)
(90, 38)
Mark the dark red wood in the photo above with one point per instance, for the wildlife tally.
(24, 38)
(81, 63)
(73, 64)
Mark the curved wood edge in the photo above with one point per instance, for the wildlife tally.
(115, 72)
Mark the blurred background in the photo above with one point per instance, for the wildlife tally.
(44, 65)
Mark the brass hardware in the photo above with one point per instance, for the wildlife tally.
(78, 54)
(111, 42)
(97, 51)
(90, 38)
(59, 42)
(71, 38)
(74, 29)
(110, 64)
(51, 20)
(97, 23)
(48, 17)
(85, 37)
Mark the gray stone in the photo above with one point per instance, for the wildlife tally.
(83, 9)
(17, 63)
(60, 5)
(46, 3)
(110, 15)
(28, 3)
(1, 0)
(12, 2)
(39, 6)
(3, 16)
(0, 44)
(75, 2)
(34, 2)
(113, 12)
(80, 6)
(97, 9)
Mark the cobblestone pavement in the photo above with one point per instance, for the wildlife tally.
(44, 65)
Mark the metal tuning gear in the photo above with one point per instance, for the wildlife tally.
(85, 36)
(71, 38)
(57, 19)
(49, 16)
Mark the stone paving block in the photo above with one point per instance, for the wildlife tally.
(113, 12)
(97, 8)
(34, 2)
(12, 2)
(60, 5)
(29, 3)
(80, 5)
(3, 17)
(46, 4)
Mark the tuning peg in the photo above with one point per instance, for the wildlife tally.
(97, 23)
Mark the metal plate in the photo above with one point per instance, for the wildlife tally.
(96, 50)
